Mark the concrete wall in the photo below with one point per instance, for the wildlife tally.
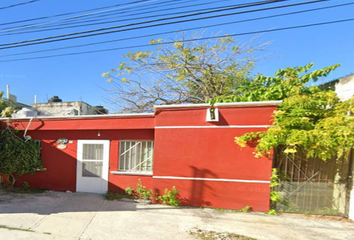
(61, 108)
(198, 157)
(345, 87)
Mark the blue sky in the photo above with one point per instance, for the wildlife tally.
(78, 77)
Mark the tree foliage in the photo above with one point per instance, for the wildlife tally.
(18, 156)
(286, 83)
(180, 72)
(309, 119)
(6, 106)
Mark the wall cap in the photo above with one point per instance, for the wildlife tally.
(202, 105)
(131, 173)
(230, 104)
(87, 116)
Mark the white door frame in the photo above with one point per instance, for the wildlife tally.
(87, 184)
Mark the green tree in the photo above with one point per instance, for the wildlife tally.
(181, 71)
(308, 120)
(6, 106)
(18, 156)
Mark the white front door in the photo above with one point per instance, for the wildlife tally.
(92, 166)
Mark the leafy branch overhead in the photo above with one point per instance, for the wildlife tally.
(310, 119)
(182, 72)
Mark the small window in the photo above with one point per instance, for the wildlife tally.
(37, 142)
(136, 156)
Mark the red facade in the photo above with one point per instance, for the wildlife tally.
(200, 158)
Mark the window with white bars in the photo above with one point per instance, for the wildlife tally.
(136, 156)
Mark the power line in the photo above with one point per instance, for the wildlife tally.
(59, 15)
(186, 40)
(18, 4)
(154, 25)
(121, 20)
(38, 24)
(99, 17)
(156, 20)
(78, 17)
(187, 29)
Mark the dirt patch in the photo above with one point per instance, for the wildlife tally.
(336, 218)
(320, 216)
(16, 229)
(211, 235)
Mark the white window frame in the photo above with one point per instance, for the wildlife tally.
(123, 157)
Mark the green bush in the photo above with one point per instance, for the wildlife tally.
(17, 155)
(142, 191)
(170, 197)
(113, 196)
(129, 191)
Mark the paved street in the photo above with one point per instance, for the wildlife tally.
(58, 215)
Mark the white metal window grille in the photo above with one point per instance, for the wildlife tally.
(136, 156)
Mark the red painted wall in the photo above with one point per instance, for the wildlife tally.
(118, 183)
(87, 123)
(212, 153)
(178, 152)
(250, 115)
(61, 164)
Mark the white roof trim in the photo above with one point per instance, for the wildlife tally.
(258, 103)
(88, 116)
(230, 104)
(215, 126)
(183, 105)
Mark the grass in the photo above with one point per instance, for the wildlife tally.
(12, 228)
(116, 196)
(20, 229)
(27, 191)
(245, 209)
(211, 235)
(324, 211)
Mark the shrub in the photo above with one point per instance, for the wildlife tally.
(170, 197)
(129, 191)
(142, 191)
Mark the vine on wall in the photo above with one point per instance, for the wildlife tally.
(17, 156)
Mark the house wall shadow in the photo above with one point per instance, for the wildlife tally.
(199, 187)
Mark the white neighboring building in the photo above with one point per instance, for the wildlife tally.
(344, 87)
(56, 107)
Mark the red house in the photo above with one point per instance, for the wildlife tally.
(187, 146)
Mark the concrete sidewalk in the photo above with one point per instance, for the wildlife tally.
(57, 215)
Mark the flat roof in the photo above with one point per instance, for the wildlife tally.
(201, 105)
(229, 104)
(87, 116)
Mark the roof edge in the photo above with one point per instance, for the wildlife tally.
(87, 116)
(229, 104)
